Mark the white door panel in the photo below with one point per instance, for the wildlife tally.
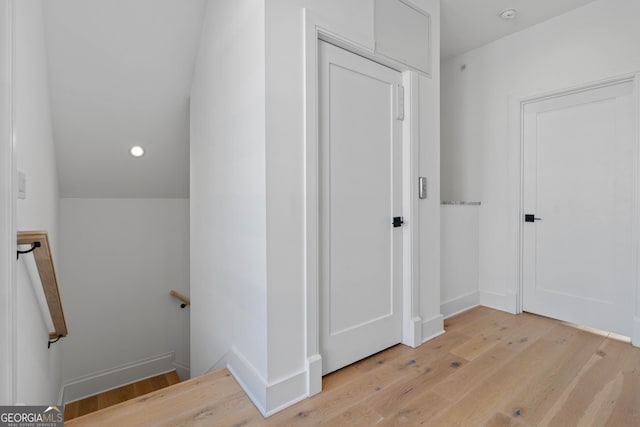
(360, 193)
(578, 178)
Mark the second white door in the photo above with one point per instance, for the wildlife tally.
(578, 257)
(360, 153)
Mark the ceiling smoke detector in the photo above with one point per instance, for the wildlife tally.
(508, 14)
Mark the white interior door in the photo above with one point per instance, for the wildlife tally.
(578, 261)
(360, 193)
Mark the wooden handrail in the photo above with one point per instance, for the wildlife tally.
(44, 261)
(185, 301)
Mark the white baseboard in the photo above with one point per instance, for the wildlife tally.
(314, 375)
(432, 328)
(459, 304)
(251, 381)
(412, 333)
(635, 335)
(504, 302)
(108, 379)
(184, 372)
(272, 397)
(286, 391)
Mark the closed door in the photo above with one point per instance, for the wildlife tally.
(360, 193)
(578, 251)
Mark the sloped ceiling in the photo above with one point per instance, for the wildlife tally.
(468, 24)
(120, 73)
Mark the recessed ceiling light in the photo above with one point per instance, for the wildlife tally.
(136, 151)
(508, 14)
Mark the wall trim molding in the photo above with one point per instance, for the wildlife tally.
(460, 304)
(108, 379)
(432, 328)
(251, 381)
(286, 391)
(314, 374)
(183, 370)
(504, 302)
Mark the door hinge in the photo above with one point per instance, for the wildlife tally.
(397, 221)
(400, 101)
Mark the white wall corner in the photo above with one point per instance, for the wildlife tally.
(459, 304)
(504, 302)
(314, 375)
(108, 379)
(635, 334)
(432, 328)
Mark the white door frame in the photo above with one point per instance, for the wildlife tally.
(8, 354)
(516, 121)
(318, 28)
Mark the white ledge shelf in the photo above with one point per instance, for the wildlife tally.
(459, 203)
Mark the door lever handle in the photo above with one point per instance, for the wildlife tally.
(531, 218)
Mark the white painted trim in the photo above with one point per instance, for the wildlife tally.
(318, 28)
(516, 159)
(8, 323)
(286, 391)
(459, 304)
(183, 370)
(432, 328)
(314, 374)
(503, 302)
(108, 379)
(411, 319)
(635, 339)
(253, 384)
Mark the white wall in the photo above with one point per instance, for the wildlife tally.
(459, 255)
(248, 195)
(7, 198)
(228, 236)
(119, 258)
(38, 368)
(597, 41)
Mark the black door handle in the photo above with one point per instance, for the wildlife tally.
(531, 218)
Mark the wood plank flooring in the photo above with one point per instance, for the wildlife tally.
(118, 395)
(489, 369)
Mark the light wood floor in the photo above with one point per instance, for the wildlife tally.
(118, 395)
(489, 369)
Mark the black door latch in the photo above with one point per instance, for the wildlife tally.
(531, 218)
(398, 221)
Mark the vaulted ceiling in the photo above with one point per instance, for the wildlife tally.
(120, 73)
